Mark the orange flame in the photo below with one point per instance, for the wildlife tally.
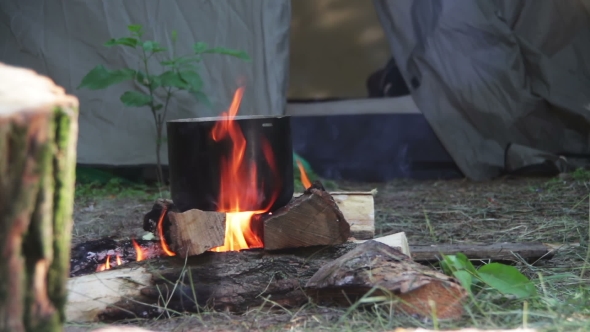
(238, 192)
(304, 179)
(138, 251)
(163, 243)
(105, 266)
(119, 260)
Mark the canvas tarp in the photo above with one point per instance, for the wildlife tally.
(64, 40)
(504, 84)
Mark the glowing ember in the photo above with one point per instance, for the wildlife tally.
(165, 247)
(138, 251)
(238, 183)
(304, 179)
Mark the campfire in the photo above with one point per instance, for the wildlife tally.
(235, 234)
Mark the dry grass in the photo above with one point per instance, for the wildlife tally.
(515, 210)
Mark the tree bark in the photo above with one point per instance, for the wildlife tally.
(38, 138)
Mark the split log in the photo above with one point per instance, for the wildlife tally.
(308, 220)
(498, 252)
(38, 138)
(359, 210)
(397, 240)
(193, 232)
(374, 266)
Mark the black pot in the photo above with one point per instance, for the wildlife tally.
(195, 161)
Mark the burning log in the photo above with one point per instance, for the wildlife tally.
(193, 232)
(315, 206)
(375, 266)
(308, 220)
(38, 137)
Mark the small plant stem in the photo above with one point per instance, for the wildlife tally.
(156, 120)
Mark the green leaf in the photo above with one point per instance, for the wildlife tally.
(465, 278)
(202, 97)
(458, 262)
(226, 51)
(171, 78)
(151, 46)
(135, 98)
(200, 47)
(125, 41)
(192, 78)
(507, 280)
(168, 63)
(135, 28)
(158, 107)
(101, 78)
(154, 81)
(174, 36)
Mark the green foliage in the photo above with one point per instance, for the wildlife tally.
(115, 187)
(179, 73)
(505, 279)
(101, 78)
(581, 174)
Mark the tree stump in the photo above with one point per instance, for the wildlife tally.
(38, 138)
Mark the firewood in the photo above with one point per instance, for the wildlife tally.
(308, 220)
(234, 281)
(420, 290)
(359, 210)
(38, 138)
(193, 232)
(397, 240)
(89, 295)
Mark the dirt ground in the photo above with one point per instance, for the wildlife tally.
(457, 211)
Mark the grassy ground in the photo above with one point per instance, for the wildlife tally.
(460, 211)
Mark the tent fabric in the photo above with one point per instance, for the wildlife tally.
(498, 81)
(64, 40)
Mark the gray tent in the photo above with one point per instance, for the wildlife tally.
(503, 84)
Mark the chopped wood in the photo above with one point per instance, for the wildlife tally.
(90, 295)
(308, 220)
(397, 240)
(358, 208)
(499, 252)
(372, 265)
(195, 231)
(359, 211)
(38, 138)
(234, 281)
